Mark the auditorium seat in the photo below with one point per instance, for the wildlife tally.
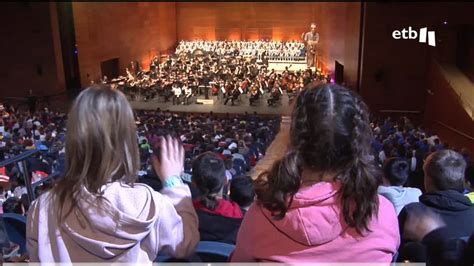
(206, 251)
(15, 225)
(210, 251)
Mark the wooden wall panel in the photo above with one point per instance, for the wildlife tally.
(128, 31)
(339, 25)
(394, 72)
(27, 51)
(442, 105)
(280, 20)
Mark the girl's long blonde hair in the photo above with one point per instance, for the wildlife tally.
(101, 145)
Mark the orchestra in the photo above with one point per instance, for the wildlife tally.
(183, 75)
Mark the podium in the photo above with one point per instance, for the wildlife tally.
(205, 101)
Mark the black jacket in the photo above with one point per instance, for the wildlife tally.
(443, 250)
(455, 209)
(213, 227)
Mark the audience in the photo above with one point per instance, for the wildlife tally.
(444, 178)
(396, 173)
(97, 212)
(319, 203)
(219, 219)
(324, 194)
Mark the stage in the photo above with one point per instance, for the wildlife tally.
(218, 106)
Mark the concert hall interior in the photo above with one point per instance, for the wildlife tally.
(280, 102)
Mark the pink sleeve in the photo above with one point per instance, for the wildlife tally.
(245, 241)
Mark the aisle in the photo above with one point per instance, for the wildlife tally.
(276, 150)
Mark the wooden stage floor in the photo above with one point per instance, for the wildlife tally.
(218, 107)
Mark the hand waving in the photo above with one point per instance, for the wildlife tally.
(171, 161)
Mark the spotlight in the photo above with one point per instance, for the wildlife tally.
(445, 22)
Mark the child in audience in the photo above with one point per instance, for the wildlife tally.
(242, 192)
(219, 219)
(20, 190)
(13, 205)
(469, 182)
(97, 212)
(319, 203)
(444, 183)
(396, 172)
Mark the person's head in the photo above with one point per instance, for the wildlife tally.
(329, 136)
(242, 190)
(101, 145)
(469, 177)
(396, 171)
(444, 170)
(20, 182)
(208, 174)
(313, 27)
(229, 163)
(13, 205)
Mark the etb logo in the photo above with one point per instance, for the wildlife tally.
(411, 34)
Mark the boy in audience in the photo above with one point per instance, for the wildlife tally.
(396, 172)
(444, 179)
(469, 182)
(242, 192)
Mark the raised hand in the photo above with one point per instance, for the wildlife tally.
(171, 161)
